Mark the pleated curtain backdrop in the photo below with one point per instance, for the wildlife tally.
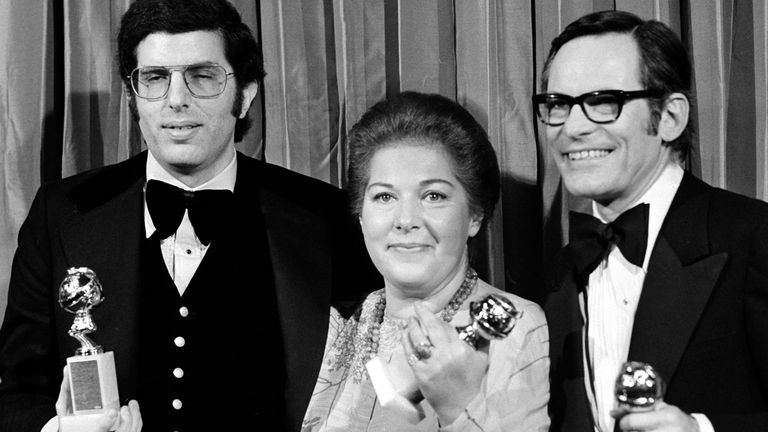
(63, 110)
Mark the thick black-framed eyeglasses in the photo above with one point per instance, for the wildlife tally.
(204, 80)
(602, 106)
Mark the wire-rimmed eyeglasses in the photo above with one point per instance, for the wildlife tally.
(204, 80)
(602, 106)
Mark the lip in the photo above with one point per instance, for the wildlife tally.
(408, 247)
(181, 130)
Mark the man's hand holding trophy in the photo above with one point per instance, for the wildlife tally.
(640, 403)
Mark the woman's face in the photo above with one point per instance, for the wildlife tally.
(415, 217)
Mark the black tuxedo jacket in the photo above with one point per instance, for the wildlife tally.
(96, 220)
(702, 319)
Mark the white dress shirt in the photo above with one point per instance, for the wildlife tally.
(612, 295)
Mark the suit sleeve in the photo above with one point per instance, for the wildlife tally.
(28, 364)
(756, 321)
(356, 274)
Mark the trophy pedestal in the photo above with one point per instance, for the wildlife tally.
(93, 390)
(396, 388)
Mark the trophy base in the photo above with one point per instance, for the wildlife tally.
(396, 389)
(93, 384)
(83, 423)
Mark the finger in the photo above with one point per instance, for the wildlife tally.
(432, 326)
(619, 412)
(410, 354)
(135, 410)
(110, 420)
(130, 417)
(641, 421)
(419, 340)
(62, 403)
(126, 419)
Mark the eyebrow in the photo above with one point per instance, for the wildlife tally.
(202, 63)
(422, 183)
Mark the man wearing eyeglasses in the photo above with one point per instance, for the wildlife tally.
(665, 270)
(217, 269)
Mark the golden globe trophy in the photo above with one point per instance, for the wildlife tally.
(92, 377)
(494, 317)
(638, 387)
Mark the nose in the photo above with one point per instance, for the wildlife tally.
(178, 93)
(408, 216)
(577, 123)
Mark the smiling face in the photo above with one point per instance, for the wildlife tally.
(192, 138)
(613, 163)
(415, 217)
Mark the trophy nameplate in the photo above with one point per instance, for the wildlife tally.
(494, 317)
(92, 374)
(639, 387)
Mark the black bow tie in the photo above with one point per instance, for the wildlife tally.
(591, 240)
(207, 209)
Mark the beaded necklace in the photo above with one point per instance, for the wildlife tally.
(358, 342)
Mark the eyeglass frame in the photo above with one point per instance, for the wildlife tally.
(183, 70)
(622, 96)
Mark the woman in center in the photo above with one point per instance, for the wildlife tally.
(423, 179)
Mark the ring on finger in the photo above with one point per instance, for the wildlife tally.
(423, 350)
(412, 359)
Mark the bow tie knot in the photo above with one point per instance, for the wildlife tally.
(167, 203)
(591, 240)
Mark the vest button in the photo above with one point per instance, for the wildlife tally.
(178, 372)
(183, 311)
(176, 404)
(179, 341)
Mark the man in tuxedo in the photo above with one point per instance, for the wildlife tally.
(666, 270)
(205, 256)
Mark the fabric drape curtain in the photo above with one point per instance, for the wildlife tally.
(63, 109)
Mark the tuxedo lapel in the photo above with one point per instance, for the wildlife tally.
(106, 237)
(301, 265)
(681, 276)
(566, 327)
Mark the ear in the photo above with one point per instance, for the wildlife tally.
(249, 93)
(475, 223)
(674, 117)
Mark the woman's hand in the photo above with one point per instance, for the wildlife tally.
(449, 372)
(129, 415)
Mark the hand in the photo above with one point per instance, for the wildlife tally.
(662, 418)
(128, 420)
(451, 376)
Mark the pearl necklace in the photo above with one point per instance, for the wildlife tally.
(358, 342)
(459, 297)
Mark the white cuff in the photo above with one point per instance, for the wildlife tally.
(704, 424)
(52, 425)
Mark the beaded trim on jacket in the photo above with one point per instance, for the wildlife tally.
(360, 337)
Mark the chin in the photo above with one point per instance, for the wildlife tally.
(407, 280)
(591, 186)
(178, 155)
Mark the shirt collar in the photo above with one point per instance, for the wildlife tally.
(154, 171)
(659, 197)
